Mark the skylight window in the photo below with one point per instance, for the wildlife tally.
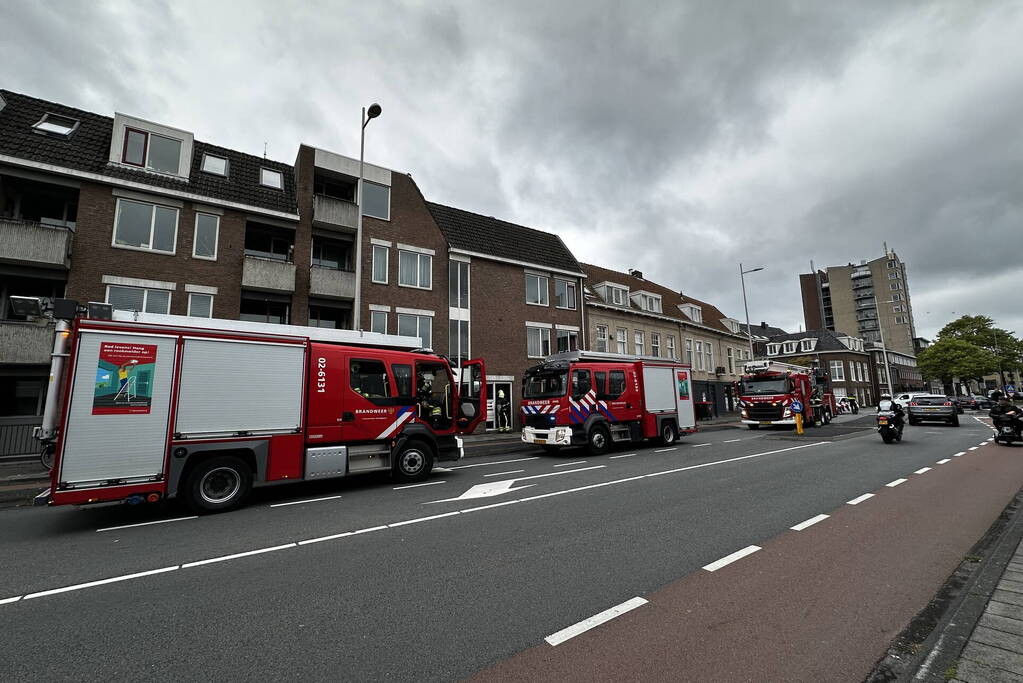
(214, 164)
(271, 178)
(53, 124)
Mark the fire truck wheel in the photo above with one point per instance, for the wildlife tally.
(598, 441)
(668, 433)
(414, 462)
(218, 484)
(753, 426)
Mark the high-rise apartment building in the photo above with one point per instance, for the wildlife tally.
(863, 300)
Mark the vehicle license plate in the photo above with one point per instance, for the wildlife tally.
(541, 441)
(765, 422)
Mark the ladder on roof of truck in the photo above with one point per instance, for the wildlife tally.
(600, 356)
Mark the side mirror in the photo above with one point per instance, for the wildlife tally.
(468, 410)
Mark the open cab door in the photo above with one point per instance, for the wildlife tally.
(472, 398)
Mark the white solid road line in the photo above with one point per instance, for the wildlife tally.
(370, 529)
(224, 558)
(922, 470)
(7, 600)
(627, 455)
(566, 464)
(942, 462)
(731, 440)
(729, 559)
(859, 499)
(321, 539)
(498, 474)
(665, 450)
(499, 462)
(422, 519)
(893, 484)
(697, 445)
(101, 582)
(415, 486)
(554, 474)
(808, 523)
(299, 502)
(159, 521)
(596, 620)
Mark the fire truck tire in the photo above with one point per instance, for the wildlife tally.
(598, 440)
(414, 461)
(669, 434)
(218, 484)
(753, 426)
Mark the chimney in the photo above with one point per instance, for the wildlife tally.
(763, 325)
(636, 273)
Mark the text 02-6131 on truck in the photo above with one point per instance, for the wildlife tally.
(592, 399)
(161, 406)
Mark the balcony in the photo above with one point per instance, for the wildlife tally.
(25, 343)
(332, 283)
(268, 275)
(28, 242)
(860, 283)
(860, 271)
(865, 304)
(335, 213)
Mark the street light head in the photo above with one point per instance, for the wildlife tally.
(373, 111)
(755, 269)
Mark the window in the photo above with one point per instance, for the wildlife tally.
(377, 202)
(731, 360)
(536, 290)
(58, 126)
(602, 338)
(773, 349)
(207, 232)
(458, 340)
(417, 326)
(567, 340)
(200, 305)
(581, 384)
(458, 284)
(264, 310)
(268, 177)
(806, 345)
(655, 344)
(893, 264)
(269, 242)
(689, 352)
(650, 303)
(415, 269)
(616, 383)
(893, 275)
(22, 395)
(145, 226)
(151, 151)
(639, 342)
(896, 309)
(699, 355)
(402, 380)
(331, 254)
(617, 295)
(600, 384)
(564, 294)
(368, 378)
(896, 297)
(538, 342)
(790, 347)
(139, 299)
(380, 258)
(214, 164)
(900, 320)
(837, 371)
(896, 285)
(621, 340)
(671, 346)
(708, 352)
(378, 322)
(693, 312)
(330, 317)
(134, 147)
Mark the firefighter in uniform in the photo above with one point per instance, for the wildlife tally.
(503, 407)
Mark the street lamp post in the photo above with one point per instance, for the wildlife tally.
(884, 349)
(745, 305)
(369, 114)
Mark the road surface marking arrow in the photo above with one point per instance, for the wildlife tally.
(491, 488)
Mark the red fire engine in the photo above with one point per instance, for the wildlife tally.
(596, 399)
(768, 389)
(161, 406)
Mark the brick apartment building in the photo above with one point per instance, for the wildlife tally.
(846, 359)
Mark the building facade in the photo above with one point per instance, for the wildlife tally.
(847, 360)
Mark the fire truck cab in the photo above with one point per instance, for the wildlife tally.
(770, 390)
(161, 406)
(586, 398)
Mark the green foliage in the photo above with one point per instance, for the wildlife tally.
(979, 330)
(946, 359)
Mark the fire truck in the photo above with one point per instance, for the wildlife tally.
(592, 399)
(153, 407)
(768, 389)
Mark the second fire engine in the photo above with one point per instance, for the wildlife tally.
(770, 390)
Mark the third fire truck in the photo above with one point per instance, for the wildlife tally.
(770, 390)
(592, 399)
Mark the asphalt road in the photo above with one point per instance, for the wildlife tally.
(366, 580)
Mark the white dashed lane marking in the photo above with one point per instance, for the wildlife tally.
(299, 502)
(893, 484)
(498, 474)
(566, 464)
(860, 499)
(488, 464)
(808, 523)
(627, 455)
(415, 486)
(596, 620)
(729, 559)
(942, 462)
(922, 470)
(159, 521)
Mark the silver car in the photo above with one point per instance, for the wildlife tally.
(932, 407)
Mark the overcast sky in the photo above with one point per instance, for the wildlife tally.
(678, 138)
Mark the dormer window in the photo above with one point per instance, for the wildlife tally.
(214, 164)
(650, 303)
(693, 312)
(151, 151)
(617, 295)
(807, 344)
(790, 347)
(268, 177)
(732, 325)
(773, 349)
(56, 126)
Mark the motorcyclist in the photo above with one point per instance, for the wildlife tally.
(893, 407)
(1003, 409)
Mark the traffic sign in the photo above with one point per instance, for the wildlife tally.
(1010, 388)
(797, 407)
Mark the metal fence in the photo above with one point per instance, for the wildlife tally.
(16, 435)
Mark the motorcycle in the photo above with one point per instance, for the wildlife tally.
(888, 424)
(1008, 429)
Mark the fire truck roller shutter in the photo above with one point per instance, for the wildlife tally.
(230, 386)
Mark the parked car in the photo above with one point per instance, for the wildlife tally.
(967, 402)
(957, 403)
(848, 404)
(904, 398)
(982, 403)
(932, 407)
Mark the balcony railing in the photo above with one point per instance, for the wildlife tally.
(860, 272)
(336, 284)
(34, 243)
(268, 275)
(24, 343)
(335, 213)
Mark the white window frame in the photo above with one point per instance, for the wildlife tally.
(791, 346)
(145, 153)
(418, 256)
(373, 316)
(602, 339)
(227, 165)
(639, 342)
(896, 309)
(698, 353)
(708, 352)
(152, 226)
(145, 295)
(670, 346)
(893, 264)
(545, 337)
(263, 170)
(419, 324)
(655, 344)
(894, 275)
(689, 353)
(621, 340)
(387, 265)
(570, 286)
(195, 236)
(773, 349)
(900, 320)
(838, 365)
(896, 297)
(39, 126)
(730, 357)
(569, 333)
(193, 294)
(896, 285)
(617, 296)
(542, 292)
(806, 345)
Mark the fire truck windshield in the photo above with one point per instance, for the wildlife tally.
(545, 384)
(752, 386)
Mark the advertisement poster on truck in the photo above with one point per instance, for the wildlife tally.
(124, 379)
(683, 385)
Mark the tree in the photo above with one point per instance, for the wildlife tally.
(950, 358)
(980, 330)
